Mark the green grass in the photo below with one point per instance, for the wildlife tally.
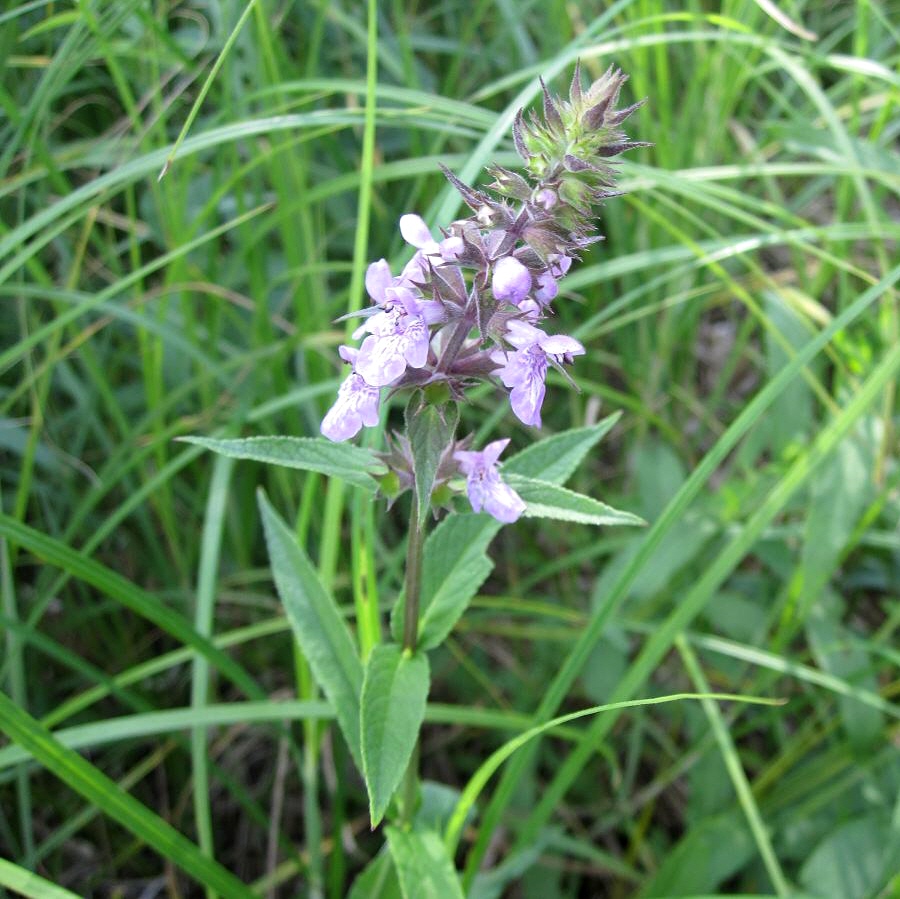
(742, 313)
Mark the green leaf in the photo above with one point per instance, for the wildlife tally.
(430, 429)
(710, 853)
(546, 500)
(26, 883)
(839, 495)
(321, 632)
(554, 459)
(833, 648)
(423, 866)
(112, 800)
(454, 566)
(338, 460)
(850, 862)
(378, 880)
(392, 709)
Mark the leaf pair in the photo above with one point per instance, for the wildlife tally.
(380, 708)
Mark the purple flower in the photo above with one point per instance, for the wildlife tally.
(397, 340)
(483, 485)
(379, 279)
(511, 280)
(548, 287)
(418, 234)
(356, 405)
(398, 332)
(525, 370)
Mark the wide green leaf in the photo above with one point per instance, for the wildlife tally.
(853, 861)
(455, 566)
(112, 800)
(546, 500)
(555, 458)
(378, 880)
(394, 693)
(321, 632)
(424, 867)
(338, 460)
(711, 851)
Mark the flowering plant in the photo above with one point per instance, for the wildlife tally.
(470, 305)
(473, 305)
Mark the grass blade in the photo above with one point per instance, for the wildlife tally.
(96, 787)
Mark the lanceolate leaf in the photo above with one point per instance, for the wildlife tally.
(545, 500)
(321, 632)
(455, 566)
(378, 880)
(393, 706)
(423, 865)
(554, 459)
(338, 460)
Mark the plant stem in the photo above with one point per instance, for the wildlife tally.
(413, 586)
(413, 580)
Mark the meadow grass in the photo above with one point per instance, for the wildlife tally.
(165, 736)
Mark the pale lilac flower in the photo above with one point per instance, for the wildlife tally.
(356, 404)
(483, 484)
(398, 336)
(379, 279)
(525, 370)
(547, 289)
(511, 280)
(416, 233)
(547, 282)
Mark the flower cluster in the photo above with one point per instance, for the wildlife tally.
(470, 304)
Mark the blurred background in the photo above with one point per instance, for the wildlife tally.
(136, 597)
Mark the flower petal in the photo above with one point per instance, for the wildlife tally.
(526, 400)
(492, 451)
(503, 503)
(356, 405)
(451, 248)
(378, 279)
(468, 460)
(547, 288)
(558, 344)
(522, 334)
(415, 231)
(381, 359)
(416, 340)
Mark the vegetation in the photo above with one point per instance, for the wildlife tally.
(164, 733)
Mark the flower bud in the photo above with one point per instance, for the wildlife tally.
(511, 281)
(546, 198)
